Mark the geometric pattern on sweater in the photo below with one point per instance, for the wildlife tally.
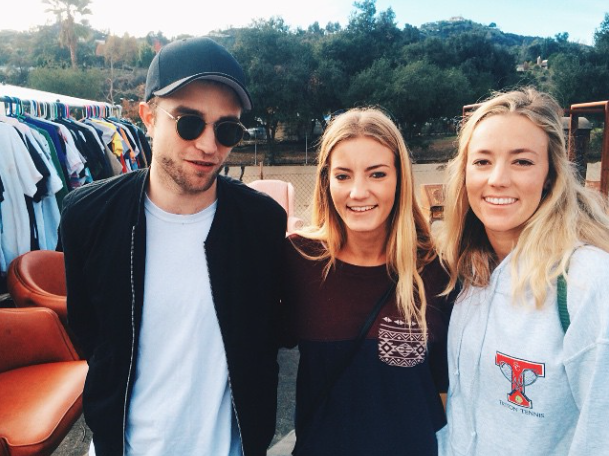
(400, 345)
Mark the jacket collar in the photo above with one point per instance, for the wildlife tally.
(142, 185)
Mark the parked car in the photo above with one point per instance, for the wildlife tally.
(255, 133)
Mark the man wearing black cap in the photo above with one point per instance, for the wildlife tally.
(172, 276)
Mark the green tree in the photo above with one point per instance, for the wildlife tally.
(423, 91)
(20, 58)
(278, 67)
(363, 22)
(579, 78)
(75, 83)
(327, 78)
(66, 12)
(410, 34)
(432, 49)
(367, 37)
(562, 37)
(486, 65)
(327, 84)
(45, 50)
(5, 53)
(121, 51)
(146, 54)
(601, 36)
(414, 93)
(333, 27)
(372, 86)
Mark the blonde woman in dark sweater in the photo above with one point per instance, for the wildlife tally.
(368, 239)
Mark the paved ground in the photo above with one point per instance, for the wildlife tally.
(77, 441)
(286, 393)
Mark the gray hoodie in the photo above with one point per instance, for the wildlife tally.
(519, 385)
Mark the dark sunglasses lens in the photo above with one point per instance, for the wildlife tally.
(229, 133)
(190, 127)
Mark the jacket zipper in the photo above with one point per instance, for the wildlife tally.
(232, 400)
(132, 340)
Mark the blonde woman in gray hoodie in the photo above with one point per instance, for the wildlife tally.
(516, 220)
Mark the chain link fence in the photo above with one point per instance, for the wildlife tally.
(303, 179)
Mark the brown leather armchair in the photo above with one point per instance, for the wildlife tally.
(38, 279)
(41, 382)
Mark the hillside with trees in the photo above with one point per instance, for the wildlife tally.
(298, 78)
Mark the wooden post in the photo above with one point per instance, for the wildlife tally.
(573, 123)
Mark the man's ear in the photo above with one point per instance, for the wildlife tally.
(148, 117)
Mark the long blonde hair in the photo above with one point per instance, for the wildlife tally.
(568, 213)
(409, 247)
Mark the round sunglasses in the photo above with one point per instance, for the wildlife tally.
(229, 133)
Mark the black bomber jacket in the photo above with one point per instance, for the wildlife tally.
(103, 236)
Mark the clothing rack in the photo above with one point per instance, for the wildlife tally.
(48, 104)
(52, 144)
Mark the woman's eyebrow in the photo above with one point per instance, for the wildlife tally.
(380, 165)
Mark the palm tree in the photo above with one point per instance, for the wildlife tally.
(65, 11)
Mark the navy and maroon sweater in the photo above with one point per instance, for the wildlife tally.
(387, 400)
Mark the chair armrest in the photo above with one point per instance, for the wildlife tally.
(26, 292)
(32, 335)
(294, 223)
(57, 304)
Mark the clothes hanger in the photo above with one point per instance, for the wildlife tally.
(21, 109)
(11, 101)
(45, 109)
(33, 108)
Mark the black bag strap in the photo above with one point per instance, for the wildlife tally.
(343, 365)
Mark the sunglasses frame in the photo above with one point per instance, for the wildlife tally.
(215, 125)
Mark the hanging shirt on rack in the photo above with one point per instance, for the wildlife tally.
(48, 147)
(129, 133)
(72, 161)
(89, 144)
(47, 209)
(19, 176)
(75, 161)
(111, 137)
(43, 208)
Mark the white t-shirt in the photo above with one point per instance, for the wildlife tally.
(19, 177)
(181, 402)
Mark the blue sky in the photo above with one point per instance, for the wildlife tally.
(543, 18)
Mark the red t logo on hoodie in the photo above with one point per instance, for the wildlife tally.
(520, 373)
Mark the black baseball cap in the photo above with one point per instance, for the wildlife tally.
(183, 61)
